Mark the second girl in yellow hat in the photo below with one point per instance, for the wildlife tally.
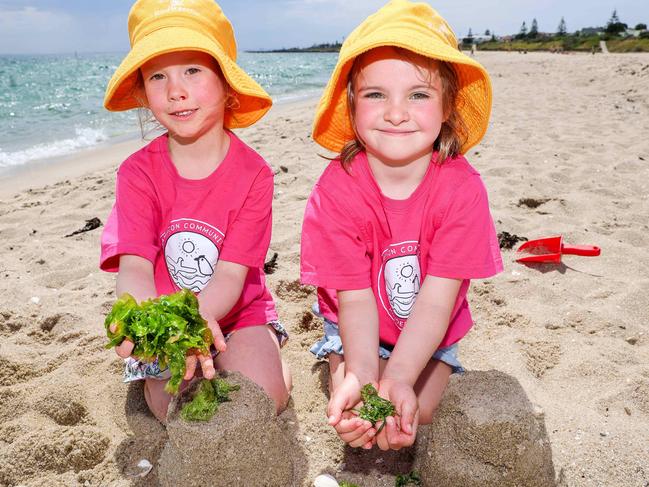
(399, 223)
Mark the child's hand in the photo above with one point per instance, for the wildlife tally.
(207, 365)
(206, 361)
(350, 428)
(399, 431)
(213, 325)
(125, 348)
(355, 431)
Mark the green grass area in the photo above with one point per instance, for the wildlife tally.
(568, 43)
(628, 45)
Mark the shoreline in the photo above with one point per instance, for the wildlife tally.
(39, 172)
(43, 172)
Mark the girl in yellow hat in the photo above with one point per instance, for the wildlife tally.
(399, 222)
(193, 207)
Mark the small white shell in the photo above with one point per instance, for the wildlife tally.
(145, 467)
(325, 480)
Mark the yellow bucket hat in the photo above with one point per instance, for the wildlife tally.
(161, 26)
(417, 28)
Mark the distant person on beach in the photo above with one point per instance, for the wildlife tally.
(193, 207)
(399, 222)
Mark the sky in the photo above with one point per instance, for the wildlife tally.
(66, 26)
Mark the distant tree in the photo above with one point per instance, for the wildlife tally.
(493, 37)
(469, 38)
(488, 33)
(641, 27)
(522, 34)
(534, 30)
(614, 26)
(562, 30)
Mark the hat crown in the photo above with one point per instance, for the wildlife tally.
(204, 16)
(416, 27)
(411, 17)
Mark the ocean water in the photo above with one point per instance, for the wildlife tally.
(52, 105)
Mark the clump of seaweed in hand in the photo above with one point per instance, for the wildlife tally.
(206, 401)
(375, 408)
(167, 327)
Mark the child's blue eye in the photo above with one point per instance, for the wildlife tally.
(193, 70)
(156, 77)
(420, 96)
(373, 94)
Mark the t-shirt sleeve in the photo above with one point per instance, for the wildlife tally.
(131, 226)
(248, 235)
(465, 244)
(333, 250)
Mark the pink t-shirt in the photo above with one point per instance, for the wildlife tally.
(354, 237)
(185, 226)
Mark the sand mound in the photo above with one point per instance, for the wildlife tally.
(243, 441)
(56, 450)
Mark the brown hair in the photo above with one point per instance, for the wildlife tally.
(453, 132)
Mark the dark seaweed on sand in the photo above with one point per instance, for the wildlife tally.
(507, 240)
(271, 265)
(405, 479)
(90, 225)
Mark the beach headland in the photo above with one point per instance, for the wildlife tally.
(566, 153)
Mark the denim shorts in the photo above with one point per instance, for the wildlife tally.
(137, 370)
(331, 343)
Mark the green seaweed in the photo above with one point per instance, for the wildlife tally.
(374, 408)
(405, 479)
(167, 327)
(205, 403)
(346, 484)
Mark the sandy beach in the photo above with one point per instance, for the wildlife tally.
(567, 153)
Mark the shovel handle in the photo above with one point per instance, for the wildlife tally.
(588, 250)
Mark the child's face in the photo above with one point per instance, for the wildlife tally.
(186, 93)
(398, 106)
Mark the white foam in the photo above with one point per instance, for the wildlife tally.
(85, 137)
(295, 96)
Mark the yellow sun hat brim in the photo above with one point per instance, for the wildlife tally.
(159, 27)
(420, 29)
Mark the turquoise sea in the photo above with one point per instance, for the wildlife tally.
(51, 105)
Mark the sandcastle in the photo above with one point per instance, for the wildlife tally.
(243, 444)
(485, 433)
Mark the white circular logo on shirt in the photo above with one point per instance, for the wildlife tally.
(402, 283)
(191, 259)
(399, 280)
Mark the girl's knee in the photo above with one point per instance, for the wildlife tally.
(157, 399)
(280, 398)
(280, 391)
(426, 415)
(286, 375)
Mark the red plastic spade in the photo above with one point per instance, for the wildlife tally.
(550, 249)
